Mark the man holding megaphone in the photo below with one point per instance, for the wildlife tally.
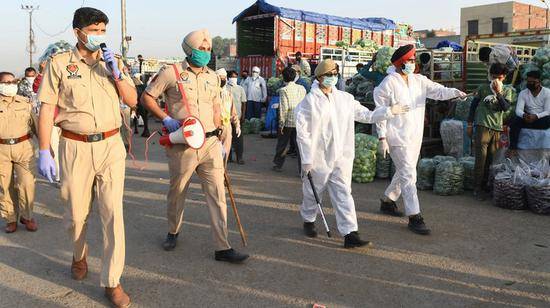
(192, 120)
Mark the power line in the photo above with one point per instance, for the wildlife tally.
(56, 33)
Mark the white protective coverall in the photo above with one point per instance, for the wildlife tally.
(326, 139)
(404, 132)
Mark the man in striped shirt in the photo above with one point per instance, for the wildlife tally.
(290, 96)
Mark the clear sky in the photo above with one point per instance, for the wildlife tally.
(158, 26)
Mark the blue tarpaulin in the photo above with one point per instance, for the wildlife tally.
(371, 24)
(271, 122)
(446, 43)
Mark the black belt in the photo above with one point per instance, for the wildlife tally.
(215, 133)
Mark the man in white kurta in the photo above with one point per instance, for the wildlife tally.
(325, 136)
(401, 136)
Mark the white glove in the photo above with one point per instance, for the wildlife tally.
(383, 148)
(399, 109)
(306, 169)
(238, 131)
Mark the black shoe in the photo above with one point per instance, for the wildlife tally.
(277, 169)
(240, 162)
(146, 134)
(417, 225)
(309, 229)
(170, 242)
(230, 255)
(390, 208)
(353, 240)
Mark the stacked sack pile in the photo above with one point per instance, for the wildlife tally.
(445, 175)
(539, 62)
(521, 186)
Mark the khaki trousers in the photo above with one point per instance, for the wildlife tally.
(18, 158)
(227, 138)
(208, 163)
(54, 143)
(90, 171)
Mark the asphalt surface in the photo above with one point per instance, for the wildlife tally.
(477, 256)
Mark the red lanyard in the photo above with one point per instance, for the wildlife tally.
(182, 92)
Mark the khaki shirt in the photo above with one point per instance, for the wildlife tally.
(16, 117)
(202, 92)
(86, 95)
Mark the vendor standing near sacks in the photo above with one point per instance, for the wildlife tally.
(325, 127)
(401, 137)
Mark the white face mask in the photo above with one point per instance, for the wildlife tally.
(9, 90)
(255, 74)
(30, 80)
(232, 81)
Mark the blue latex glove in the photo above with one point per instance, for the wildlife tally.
(111, 62)
(171, 124)
(46, 165)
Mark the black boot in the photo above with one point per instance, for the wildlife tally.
(230, 255)
(309, 229)
(353, 240)
(390, 208)
(417, 225)
(170, 242)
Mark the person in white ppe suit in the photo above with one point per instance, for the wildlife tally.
(401, 136)
(256, 93)
(326, 141)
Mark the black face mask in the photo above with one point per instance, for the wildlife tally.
(532, 86)
(223, 82)
(244, 76)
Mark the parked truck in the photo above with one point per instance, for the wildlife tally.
(268, 36)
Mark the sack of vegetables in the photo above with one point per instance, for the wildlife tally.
(364, 165)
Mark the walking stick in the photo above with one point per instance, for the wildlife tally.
(234, 206)
(318, 202)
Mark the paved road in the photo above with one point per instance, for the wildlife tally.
(478, 255)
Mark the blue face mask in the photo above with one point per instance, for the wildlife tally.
(200, 58)
(94, 41)
(409, 68)
(330, 82)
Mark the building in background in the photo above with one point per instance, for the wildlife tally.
(506, 17)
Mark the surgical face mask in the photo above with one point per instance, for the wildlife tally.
(409, 68)
(8, 89)
(232, 81)
(200, 58)
(30, 80)
(93, 41)
(255, 75)
(330, 82)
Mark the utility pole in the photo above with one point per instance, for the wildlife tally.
(124, 44)
(30, 9)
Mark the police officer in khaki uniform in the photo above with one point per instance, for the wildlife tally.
(17, 124)
(86, 84)
(202, 93)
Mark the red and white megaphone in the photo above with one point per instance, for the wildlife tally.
(191, 133)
